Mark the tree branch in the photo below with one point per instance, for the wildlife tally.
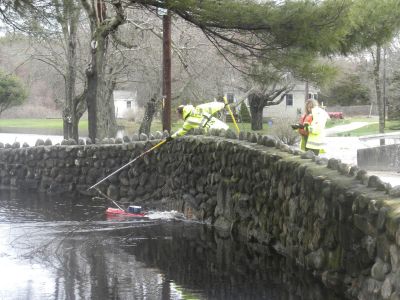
(109, 25)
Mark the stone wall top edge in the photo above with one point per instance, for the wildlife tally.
(254, 141)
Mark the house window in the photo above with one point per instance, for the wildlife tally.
(289, 99)
(230, 97)
(313, 96)
(128, 104)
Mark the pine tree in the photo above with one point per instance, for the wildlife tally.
(244, 113)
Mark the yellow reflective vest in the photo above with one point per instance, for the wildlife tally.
(201, 117)
(316, 136)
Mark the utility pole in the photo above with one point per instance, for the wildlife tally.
(166, 90)
(306, 91)
(384, 87)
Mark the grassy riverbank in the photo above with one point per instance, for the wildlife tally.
(373, 128)
(55, 126)
(36, 123)
(38, 126)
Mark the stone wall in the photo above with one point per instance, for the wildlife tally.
(382, 158)
(331, 218)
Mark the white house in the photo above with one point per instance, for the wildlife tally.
(293, 104)
(125, 103)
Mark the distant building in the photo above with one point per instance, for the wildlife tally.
(293, 104)
(125, 103)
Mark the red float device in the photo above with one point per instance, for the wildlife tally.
(133, 212)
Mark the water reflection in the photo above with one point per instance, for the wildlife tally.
(66, 249)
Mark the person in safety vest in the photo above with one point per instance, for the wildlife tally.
(312, 128)
(200, 116)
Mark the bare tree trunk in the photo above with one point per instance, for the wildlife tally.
(71, 80)
(256, 111)
(100, 96)
(101, 111)
(79, 108)
(148, 116)
(92, 79)
(101, 116)
(256, 120)
(379, 92)
(66, 115)
(68, 18)
(106, 122)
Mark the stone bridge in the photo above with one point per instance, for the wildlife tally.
(331, 218)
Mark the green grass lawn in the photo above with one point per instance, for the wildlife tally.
(130, 127)
(35, 125)
(391, 126)
(336, 122)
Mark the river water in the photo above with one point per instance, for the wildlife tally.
(55, 248)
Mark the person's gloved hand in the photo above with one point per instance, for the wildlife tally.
(168, 139)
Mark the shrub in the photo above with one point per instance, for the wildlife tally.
(244, 113)
(12, 92)
(394, 111)
(282, 131)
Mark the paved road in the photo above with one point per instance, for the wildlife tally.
(345, 127)
(345, 149)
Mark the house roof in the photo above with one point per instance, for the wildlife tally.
(124, 95)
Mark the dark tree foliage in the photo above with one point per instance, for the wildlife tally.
(244, 113)
(374, 25)
(12, 93)
(347, 91)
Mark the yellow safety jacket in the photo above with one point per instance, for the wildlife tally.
(201, 116)
(316, 136)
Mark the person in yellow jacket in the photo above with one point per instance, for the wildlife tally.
(200, 116)
(312, 129)
(305, 121)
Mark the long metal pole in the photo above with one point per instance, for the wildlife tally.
(167, 72)
(128, 163)
(231, 113)
(105, 196)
